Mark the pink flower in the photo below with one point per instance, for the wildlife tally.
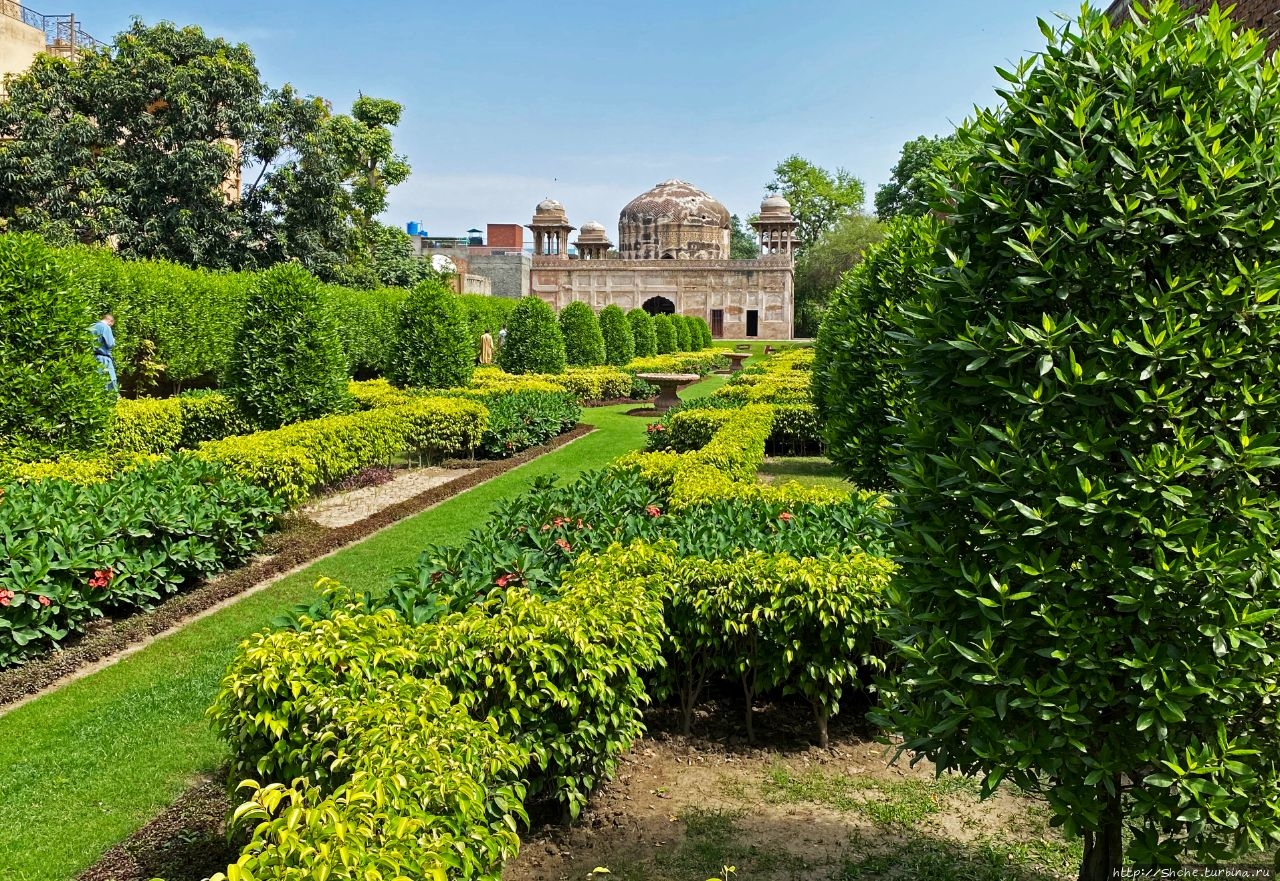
(44, 601)
(5, 597)
(502, 580)
(653, 511)
(786, 515)
(564, 545)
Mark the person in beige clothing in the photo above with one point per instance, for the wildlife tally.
(486, 348)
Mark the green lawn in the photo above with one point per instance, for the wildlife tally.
(83, 767)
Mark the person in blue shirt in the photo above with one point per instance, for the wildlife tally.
(104, 342)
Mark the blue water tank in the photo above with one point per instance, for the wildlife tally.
(412, 227)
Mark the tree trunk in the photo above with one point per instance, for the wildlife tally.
(822, 716)
(749, 692)
(1104, 850)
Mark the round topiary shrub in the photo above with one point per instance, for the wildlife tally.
(286, 360)
(56, 396)
(1088, 497)
(583, 341)
(858, 386)
(664, 332)
(684, 340)
(534, 342)
(619, 344)
(434, 347)
(642, 331)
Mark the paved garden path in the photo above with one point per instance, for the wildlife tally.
(84, 766)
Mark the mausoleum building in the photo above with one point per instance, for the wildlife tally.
(672, 256)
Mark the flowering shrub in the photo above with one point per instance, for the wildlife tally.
(70, 553)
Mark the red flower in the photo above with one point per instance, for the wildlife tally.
(786, 515)
(44, 601)
(502, 580)
(564, 545)
(653, 510)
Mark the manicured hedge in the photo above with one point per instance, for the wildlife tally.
(164, 425)
(795, 430)
(684, 339)
(701, 363)
(619, 341)
(70, 552)
(534, 341)
(286, 362)
(664, 332)
(642, 332)
(583, 339)
(366, 320)
(55, 395)
(292, 461)
(433, 348)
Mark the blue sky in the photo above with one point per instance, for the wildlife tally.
(594, 102)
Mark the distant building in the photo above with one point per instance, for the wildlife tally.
(1261, 15)
(672, 257)
(25, 33)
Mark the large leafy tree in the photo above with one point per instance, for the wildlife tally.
(133, 144)
(819, 198)
(908, 190)
(140, 145)
(742, 240)
(1090, 582)
(821, 266)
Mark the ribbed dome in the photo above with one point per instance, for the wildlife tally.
(676, 201)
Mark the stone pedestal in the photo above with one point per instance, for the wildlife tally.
(735, 360)
(669, 386)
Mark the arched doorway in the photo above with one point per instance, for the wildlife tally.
(659, 306)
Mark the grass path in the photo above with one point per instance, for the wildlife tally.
(83, 767)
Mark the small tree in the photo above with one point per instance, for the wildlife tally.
(434, 346)
(1090, 579)
(858, 386)
(665, 334)
(642, 331)
(619, 344)
(534, 342)
(583, 341)
(56, 396)
(286, 362)
(704, 333)
(684, 340)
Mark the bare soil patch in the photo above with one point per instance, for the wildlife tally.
(684, 809)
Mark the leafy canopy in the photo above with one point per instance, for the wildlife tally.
(908, 189)
(142, 145)
(1087, 602)
(819, 198)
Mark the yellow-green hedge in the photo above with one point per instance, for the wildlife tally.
(294, 460)
(145, 425)
(81, 469)
(701, 363)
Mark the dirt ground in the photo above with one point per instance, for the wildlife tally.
(703, 808)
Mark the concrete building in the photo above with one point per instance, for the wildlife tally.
(1261, 15)
(25, 33)
(673, 257)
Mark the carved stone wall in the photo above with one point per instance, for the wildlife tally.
(694, 287)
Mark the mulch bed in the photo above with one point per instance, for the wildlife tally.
(289, 550)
